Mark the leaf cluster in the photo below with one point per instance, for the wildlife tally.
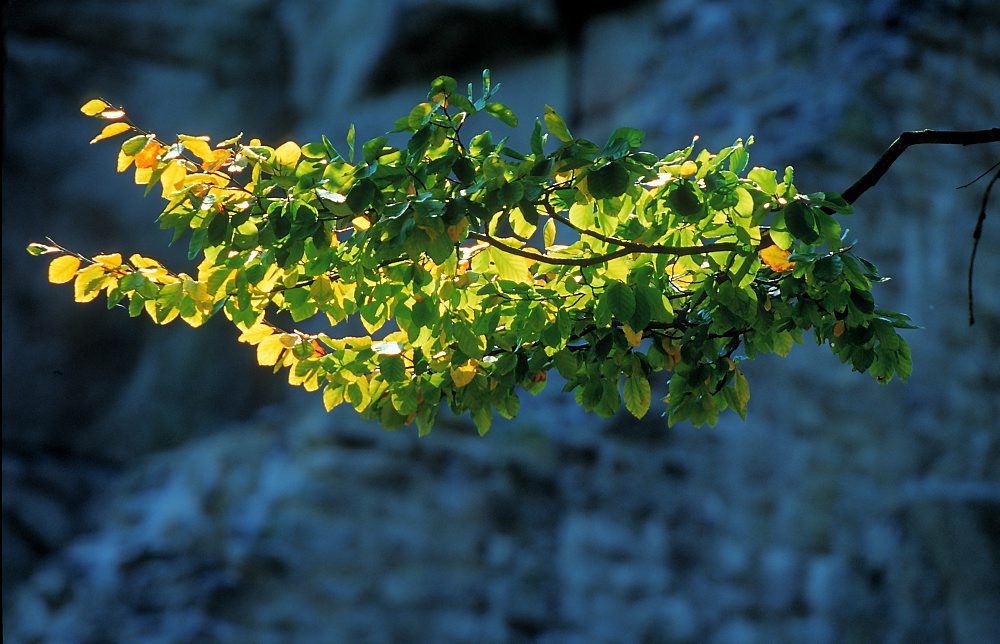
(475, 269)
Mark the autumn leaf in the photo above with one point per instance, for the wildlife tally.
(94, 107)
(214, 159)
(63, 268)
(463, 374)
(147, 157)
(634, 337)
(777, 259)
(111, 130)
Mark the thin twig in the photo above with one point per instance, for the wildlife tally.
(975, 241)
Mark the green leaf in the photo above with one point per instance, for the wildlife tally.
(609, 181)
(511, 267)
(685, 202)
(556, 124)
(537, 140)
(828, 268)
(441, 85)
(636, 393)
(419, 116)
(459, 103)
(765, 179)
(801, 221)
(622, 141)
(392, 368)
(621, 300)
(738, 159)
(483, 418)
(373, 149)
(503, 113)
(350, 143)
(361, 196)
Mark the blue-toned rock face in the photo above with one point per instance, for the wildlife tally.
(160, 487)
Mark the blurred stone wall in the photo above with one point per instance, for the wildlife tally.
(158, 487)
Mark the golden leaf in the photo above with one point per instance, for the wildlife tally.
(776, 259)
(256, 333)
(172, 178)
(634, 337)
(111, 130)
(94, 106)
(63, 268)
(288, 153)
(113, 260)
(463, 374)
(269, 350)
(124, 161)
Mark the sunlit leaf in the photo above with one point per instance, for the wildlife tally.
(463, 374)
(270, 349)
(111, 130)
(776, 259)
(63, 268)
(94, 106)
(288, 154)
(556, 124)
(147, 157)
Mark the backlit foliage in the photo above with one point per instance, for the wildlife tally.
(475, 269)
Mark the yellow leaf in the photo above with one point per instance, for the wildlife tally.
(269, 350)
(214, 159)
(94, 106)
(112, 114)
(124, 161)
(201, 177)
(688, 168)
(63, 268)
(256, 333)
(114, 260)
(172, 178)
(143, 175)
(288, 153)
(549, 232)
(111, 130)
(634, 337)
(89, 283)
(361, 223)
(463, 374)
(332, 396)
(199, 147)
(139, 261)
(288, 339)
(777, 259)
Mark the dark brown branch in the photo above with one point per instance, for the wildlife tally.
(905, 140)
(600, 259)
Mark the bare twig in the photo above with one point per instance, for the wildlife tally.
(905, 140)
(975, 240)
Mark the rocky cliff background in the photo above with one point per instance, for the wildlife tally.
(158, 487)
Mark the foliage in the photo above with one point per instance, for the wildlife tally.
(475, 269)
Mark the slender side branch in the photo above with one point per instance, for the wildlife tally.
(905, 140)
(975, 241)
(547, 259)
(600, 259)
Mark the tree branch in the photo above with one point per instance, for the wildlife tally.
(905, 140)
(600, 259)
